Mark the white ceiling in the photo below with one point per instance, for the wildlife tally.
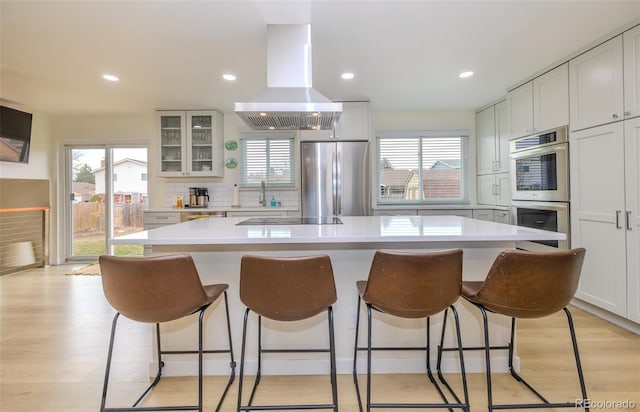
(406, 55)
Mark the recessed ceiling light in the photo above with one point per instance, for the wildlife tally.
(229, 77)
(111, 77)
(347, 76)
(464, 75)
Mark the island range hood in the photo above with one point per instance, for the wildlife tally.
(289, 102)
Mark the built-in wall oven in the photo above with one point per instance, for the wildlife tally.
(553, 216)
(540, 186)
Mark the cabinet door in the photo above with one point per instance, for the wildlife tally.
(632, 194)
(631, 40)
(551, 99)
(502, 137)
(501, 216)
(520, 106)
(483, 214)
(503, 189)
(597, 218)
(354, 121)
(485, 141)
(487, 189)
(172, 143)
(203, 144)
(595, 85)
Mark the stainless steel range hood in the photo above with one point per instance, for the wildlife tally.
(289, 102)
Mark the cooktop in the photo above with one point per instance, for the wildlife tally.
(291, 221)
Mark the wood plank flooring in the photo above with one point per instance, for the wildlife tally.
(54, 332)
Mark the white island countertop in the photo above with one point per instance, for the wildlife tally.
(355, 230)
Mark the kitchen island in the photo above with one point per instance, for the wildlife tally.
(217, 246)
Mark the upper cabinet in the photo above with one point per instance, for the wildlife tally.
(354, 124)
(492, 139)
(191, 143)
(541, 104)
(596, 85)
(605, 82)
(631, 42)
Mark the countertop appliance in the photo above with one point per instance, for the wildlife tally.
(201, 196)
(335, 178)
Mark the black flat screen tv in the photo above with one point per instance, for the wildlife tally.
(15, 135)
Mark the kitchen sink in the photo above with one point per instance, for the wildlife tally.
(257, 221)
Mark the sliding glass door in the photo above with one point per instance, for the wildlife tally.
(107, 189)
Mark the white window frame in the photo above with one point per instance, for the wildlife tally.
(421, 136)
(266, 137)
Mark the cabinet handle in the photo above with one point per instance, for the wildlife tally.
(627, 113)
(615, 115)
(628, 219)
(618, 219)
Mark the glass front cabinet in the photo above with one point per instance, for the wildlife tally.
(191, 143)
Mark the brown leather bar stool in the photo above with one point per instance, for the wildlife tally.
(527, 285)
(412, 285)
(155, 290)
(287, 289)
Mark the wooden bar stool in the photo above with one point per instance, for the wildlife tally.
(155, 290)
(527, 285)
(287, 289)
(412, 285)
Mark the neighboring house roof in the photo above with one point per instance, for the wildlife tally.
(83, 188)
(447, 164)
(125, 160)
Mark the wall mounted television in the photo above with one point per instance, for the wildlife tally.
(15, 135)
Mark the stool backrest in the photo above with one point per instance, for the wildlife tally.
(152, 289)
(414, 285)
(287, 288)
(525, 284)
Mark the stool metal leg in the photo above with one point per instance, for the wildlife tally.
(355, 356)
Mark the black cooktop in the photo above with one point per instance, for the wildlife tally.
(257, 221)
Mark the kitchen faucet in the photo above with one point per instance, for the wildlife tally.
(263, 198)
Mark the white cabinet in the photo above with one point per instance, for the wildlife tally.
(632, 215)
(631, 42)
(596, 85)
(441, 212)
(604, 217)
(502, 216)
(394, 212)
(259, 213)
(483, 214)
(153, 220)
(354, 124)
(191, 143)
(494, 189)
(540, 104)
(492, 140)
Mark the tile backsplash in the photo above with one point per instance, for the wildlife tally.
(221, 195)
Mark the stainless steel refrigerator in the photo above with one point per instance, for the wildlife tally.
(335, 178)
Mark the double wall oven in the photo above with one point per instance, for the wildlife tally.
(540, 186)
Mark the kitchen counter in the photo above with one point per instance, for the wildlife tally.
(356, 231)
(217, 246)
(225, 209)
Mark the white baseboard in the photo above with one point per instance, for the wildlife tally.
(608, 316)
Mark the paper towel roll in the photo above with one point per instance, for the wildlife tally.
(236, 196)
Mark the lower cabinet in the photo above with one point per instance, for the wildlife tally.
(456, 212)
(261, 213)
(502, 216)
(605, 182)
(154, 220)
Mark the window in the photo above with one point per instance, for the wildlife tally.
(267, 157)
(422, 167)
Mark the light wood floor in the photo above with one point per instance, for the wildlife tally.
(54, 334)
